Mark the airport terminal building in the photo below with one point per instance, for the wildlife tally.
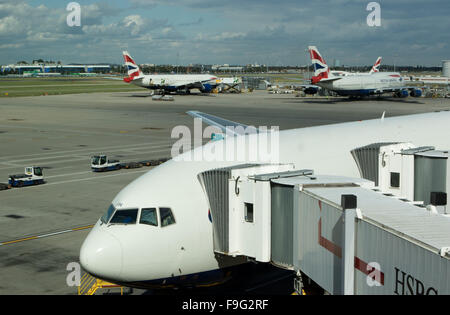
(55, 68)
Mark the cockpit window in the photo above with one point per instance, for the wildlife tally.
(105, 218)
(124, 217)
(167, 217)
(149, 217)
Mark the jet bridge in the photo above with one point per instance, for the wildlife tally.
(345, 234)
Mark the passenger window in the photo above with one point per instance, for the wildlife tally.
(124, 217)
(167, 217)
(149, 217)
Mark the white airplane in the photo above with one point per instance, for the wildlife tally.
(359, 85)
(158, 230)
(314, 89)
(168, 82)
(375, 69)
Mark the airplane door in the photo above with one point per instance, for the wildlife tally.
(175, 246)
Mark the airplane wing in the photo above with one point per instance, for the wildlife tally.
(329, 80)
(228, 127)
(113, 78)
(402, 91)
(186, 83)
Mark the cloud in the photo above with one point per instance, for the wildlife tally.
(232, 31)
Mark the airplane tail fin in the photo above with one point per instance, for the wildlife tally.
(376, 66)
(321, 70)
(133, 69)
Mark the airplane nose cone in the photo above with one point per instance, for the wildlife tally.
(101, 255)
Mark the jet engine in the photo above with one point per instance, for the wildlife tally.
(416, 93)
(311, 90)
(207, 88)
(402, 93)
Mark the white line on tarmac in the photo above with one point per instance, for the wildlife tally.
(128, 160)
(82, 180)
(71, 174)
(163, 147)
(10, 164)
(6, 87)
(50, 162)
(92, 178)
(80, 132)
(89, 150)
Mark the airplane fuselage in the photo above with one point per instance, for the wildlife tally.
(364, 85)
(137, 254)
(174, 82)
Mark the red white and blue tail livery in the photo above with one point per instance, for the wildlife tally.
(376, 66)
(133, 69)
(321, 70)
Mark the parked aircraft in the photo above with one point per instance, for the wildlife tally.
(168, 82)
(377, 83)
(158, 230)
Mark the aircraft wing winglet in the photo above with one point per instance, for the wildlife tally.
(228, 127)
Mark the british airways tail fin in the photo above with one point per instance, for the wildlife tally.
(376, 66)
(321, 70)
(133, 69)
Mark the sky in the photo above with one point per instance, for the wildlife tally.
(233, 32)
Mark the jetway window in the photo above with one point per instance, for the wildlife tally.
(105, 218)
(149, 217)
(167, 217)
(249, 212)
(395, 180)
(124, 217)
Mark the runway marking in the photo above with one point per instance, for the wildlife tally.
(51, 163)
(78, 173)
(56, 158)
(46, 235)
(10, 164)
(89, 150)
(81, 180)
(91, 178)
(113, 134)
(56, 85)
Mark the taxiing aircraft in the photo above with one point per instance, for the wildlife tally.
(158, 230)
(377, 83)
(168, 82)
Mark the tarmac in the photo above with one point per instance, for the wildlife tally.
(60, 133)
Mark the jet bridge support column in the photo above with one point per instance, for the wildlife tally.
(348, 203)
